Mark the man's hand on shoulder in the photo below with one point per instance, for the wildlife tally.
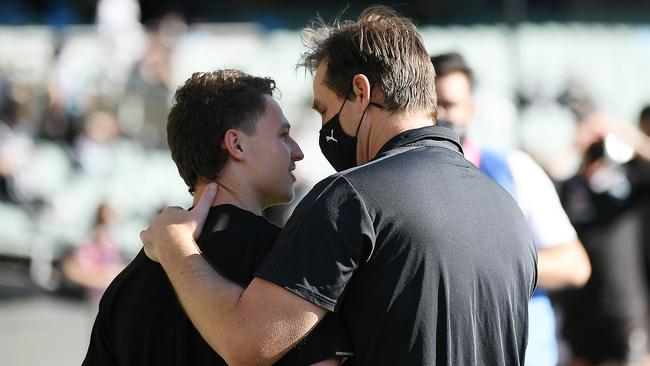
(173, 232)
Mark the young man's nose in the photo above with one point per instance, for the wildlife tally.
(296, 152)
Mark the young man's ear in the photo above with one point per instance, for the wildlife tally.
(232, 142)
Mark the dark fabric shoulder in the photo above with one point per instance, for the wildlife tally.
(112, 294)
(265, 235)
(638, 171)
(327, 238)
(101, 349)
(236, 241)
(113, 290)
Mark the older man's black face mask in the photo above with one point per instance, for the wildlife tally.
(337, 147)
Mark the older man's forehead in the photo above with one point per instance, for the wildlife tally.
(319, 97)
(319, 76)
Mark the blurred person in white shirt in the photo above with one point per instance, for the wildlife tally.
(562, 260)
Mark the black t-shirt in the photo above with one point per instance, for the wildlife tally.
(425, 259)
(610, 220)
(140, 321)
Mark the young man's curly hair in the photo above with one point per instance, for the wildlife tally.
(204, 108)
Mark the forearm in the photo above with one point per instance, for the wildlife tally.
(257, 325)
(209, 299)
(565, 265)
(229, 318)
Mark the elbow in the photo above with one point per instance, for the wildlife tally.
(239, 360)
(244, 359)
(581, 267)
(239, 351)
(235, 358)
(565, 266)
(581, 274)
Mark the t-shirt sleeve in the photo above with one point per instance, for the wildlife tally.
(100, 349)
(265, 237)
(539, 202)
(327, 238)
(638, 172)
(328, 340)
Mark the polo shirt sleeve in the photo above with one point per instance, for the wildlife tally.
(328, 340)
(328, 237)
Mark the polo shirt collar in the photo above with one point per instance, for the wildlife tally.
(436, 133)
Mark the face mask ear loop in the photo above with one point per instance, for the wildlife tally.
(364, 113)
(361, 121)
(345, 99)
(341, 109)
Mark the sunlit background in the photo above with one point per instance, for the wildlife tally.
(85, 88)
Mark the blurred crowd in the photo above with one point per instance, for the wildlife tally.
(608, 202)
(70, 147)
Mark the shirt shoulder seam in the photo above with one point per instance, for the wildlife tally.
(363, 202)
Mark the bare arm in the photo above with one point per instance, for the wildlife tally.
(562, 260)
(564, 265)
(256, 325)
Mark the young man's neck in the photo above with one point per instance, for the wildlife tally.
(229, 193)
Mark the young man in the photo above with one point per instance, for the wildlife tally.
(424, 258)
(562, 261)
(224, 127)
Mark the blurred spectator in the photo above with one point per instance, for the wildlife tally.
(123, 41)
(642, 181)
(93, 146)
(15, 151)
(70, 94)
(562, 261)
(148, 85)
(59, 122)
(644, 120)
(606, 322)
(95, 263)
(16, 142)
